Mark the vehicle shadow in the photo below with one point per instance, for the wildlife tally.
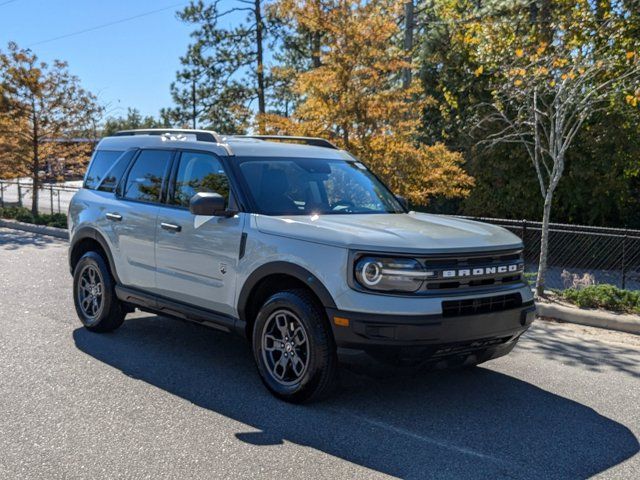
(461, 424)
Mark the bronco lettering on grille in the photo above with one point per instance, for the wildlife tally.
(482, 271)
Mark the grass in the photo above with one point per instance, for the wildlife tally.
(22, 214)
(604, 296)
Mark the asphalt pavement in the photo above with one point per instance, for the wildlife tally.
(161, 398)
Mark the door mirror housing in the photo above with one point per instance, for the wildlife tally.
(210, 204)
(403, 201)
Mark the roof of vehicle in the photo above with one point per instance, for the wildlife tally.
(232, 145)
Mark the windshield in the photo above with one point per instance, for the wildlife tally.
(305, 186)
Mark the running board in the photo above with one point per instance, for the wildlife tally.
(172, 308)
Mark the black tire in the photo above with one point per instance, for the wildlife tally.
(109, 313)
(318, 377)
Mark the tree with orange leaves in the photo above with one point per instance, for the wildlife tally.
(42, 107)
(354, 96)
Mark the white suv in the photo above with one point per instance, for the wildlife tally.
(295, 245)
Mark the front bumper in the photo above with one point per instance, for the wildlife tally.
(429, 336)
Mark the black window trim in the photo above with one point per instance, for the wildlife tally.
(119, 192)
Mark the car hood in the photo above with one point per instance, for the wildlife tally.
(410, 232)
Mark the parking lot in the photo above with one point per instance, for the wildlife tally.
(161, 398)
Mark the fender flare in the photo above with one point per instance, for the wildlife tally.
(286, 268)
(90, 232)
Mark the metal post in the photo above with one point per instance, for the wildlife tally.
(624, 260)
(2, 194)
(51, 199)
(524, 238)
(59, 210)
(19, 194)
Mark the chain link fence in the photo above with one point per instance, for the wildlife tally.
(577, 254)
(580, 255)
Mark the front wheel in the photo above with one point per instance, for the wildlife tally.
(94, 295)
(293, 347)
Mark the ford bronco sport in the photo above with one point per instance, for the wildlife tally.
(293, 244)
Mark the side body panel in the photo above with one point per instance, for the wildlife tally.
(198, 265)
(135, 236)
(131, 241)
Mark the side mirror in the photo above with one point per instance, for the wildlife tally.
(209, 204)
(403, 201)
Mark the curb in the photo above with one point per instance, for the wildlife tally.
(40, 229)
(590, 317)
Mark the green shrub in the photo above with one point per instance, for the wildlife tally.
(40, 219)
(13, 212)
(605, 296)
(24, 215)
(57, 220)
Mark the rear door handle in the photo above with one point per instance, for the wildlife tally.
(170, 227)
(114, 217)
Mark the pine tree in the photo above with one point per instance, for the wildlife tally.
(224, 69)
(132, 121)
(298, 50)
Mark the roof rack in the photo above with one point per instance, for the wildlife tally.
(201, 135)
(315, 141)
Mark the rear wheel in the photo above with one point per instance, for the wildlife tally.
(293, 347)
(94, 295)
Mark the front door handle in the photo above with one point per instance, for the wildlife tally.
(115, 217)
(170, 227)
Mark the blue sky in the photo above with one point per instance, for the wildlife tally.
(130, 64)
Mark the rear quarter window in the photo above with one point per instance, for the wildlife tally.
(102, 162)
(113, 176)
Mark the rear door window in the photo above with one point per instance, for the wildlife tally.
(146, 176)
(102, 161)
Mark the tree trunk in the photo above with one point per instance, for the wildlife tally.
(533, 12)
(315, 49)
(546, 14)
(194, 115)
(35, 164)
(544, 245)
(408, 41)
(259, 65)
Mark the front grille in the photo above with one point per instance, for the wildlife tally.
(478, 270)
(450, 274)
(477, 306)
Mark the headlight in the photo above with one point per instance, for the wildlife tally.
(389, 274)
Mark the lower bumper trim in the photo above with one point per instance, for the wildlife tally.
(367, 330)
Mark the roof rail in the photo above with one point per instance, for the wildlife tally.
(201, 135)
(315, 141)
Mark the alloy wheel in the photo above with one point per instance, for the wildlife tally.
(91, 292)
(285, 347)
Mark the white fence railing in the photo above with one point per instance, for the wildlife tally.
(52, 198)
